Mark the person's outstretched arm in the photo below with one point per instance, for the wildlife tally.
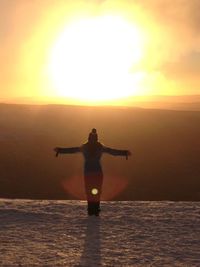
(66, 150)
(116, 152)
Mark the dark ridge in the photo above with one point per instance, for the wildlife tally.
(165, 145)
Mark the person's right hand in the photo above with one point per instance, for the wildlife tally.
(56, 149)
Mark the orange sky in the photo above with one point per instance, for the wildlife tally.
(168, 34)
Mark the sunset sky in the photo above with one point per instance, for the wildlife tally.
(99, 50)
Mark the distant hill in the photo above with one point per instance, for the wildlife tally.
(182, 102)
(165, 145)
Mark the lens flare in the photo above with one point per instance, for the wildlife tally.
(113, 186)
(94, 191)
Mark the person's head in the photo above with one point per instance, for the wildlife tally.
(93, 137)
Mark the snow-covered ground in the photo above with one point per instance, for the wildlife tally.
(59, 233)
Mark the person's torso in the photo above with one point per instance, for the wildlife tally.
(92, 153)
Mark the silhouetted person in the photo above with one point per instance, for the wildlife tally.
(93, 175)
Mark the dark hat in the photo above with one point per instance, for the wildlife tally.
(93, 137)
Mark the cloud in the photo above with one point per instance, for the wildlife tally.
(175, 47)
(180, 21)
(180, 13)
(187, 67)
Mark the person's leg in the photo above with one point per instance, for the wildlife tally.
(100, 183)
(93, 188)
(90, 208)
(97, 208)
(93, 204)
(87, 192)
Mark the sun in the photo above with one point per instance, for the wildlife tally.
(92, 58)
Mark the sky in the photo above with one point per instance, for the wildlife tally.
(143, 47)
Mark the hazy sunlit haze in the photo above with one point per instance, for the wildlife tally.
(93, 52)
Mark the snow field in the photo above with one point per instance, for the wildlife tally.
(60, 233)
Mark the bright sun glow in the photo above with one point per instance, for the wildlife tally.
(92, 59)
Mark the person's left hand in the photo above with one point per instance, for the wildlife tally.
(128, 153)
(56, 149)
